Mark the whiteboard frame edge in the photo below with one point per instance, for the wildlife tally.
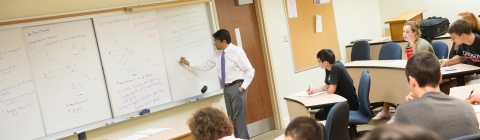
(126, 117)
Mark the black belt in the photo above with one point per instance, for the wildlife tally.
(234, 82)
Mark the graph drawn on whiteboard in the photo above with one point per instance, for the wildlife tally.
(133, 62)
(68, 74)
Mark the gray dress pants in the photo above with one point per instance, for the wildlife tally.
(236, 104)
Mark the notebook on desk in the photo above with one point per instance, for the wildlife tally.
(305, 94)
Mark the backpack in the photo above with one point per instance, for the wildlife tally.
(433, 27)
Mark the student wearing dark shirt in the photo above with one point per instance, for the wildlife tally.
(469, 48)
(337, 81)
(474, 23)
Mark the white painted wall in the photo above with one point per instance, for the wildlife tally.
(443, 8)
(356, 19)
(353, 22)
(286, 80)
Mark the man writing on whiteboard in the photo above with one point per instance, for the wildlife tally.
(235, 72)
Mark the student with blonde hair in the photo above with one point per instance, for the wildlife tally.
(415, 44)
(210, 123)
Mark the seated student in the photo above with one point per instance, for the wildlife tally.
(474, 26)
(398, 131)
(428, 107)
(304, 128)
(210, 123)
(337, 81)
(411, 34)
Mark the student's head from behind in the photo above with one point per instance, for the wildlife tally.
(423, 71)
(221, 39)
(304, 128)
(398, 131)
(411, 31)
(459, 31)
(209, 123)
(471, 19)
(325, 57)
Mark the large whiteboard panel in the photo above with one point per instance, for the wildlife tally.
(19, 110)
(133, 61)
(186, 31)
(68, 74)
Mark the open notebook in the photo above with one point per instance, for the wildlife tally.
(476, 108)
(305, 94)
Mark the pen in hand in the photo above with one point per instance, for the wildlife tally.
(470, 94)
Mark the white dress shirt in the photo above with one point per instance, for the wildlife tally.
(237, 65)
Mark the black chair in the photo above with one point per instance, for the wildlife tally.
(336, 126)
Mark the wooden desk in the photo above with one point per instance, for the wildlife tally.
(179, 131)
(464, 91)
(384, 88)
(376, 44)
(298, 106)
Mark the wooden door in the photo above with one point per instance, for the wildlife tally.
(259, 107)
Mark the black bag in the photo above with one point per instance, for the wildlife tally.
(433, 27)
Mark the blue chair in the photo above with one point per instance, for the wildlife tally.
(336, 126)
(468, 137)
(360, 51)
(441, 49)
(364, 114)
(390, 51)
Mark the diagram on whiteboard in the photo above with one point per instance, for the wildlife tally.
(65, 72)
(134, 65)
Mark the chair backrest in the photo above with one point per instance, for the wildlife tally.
(468, 137)
(336, 127)
(390, 51)
(360, 51)
(441, 49)
(364, 93)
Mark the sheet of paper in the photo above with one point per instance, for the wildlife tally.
(292, 8)
(305, 94)
(134, 137)
(152, 131)
(463, 92)
(476, 108)
(449, 68)
(238, 37)
(318, 24)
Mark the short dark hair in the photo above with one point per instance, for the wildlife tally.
(398, 131)
(305, 128)
(221, 35)
(425, 68)
(460, 27)
(326, 55)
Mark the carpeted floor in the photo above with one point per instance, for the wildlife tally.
(275, 133)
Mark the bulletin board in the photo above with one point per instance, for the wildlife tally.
(306, 42)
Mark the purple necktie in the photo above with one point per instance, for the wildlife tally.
(223, 68)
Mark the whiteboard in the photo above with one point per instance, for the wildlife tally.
(18, 98)
(68, 74)
(133, 60)
(187, 31)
